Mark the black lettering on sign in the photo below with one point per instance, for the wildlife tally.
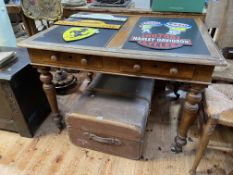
(161, 41)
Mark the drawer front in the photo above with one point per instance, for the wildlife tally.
(114, 65)
(173, 70)
(60, 59)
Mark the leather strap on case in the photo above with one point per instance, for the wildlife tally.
(103, 140)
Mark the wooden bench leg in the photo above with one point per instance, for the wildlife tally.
(204, 140)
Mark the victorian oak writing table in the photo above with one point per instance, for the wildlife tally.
(168, 47)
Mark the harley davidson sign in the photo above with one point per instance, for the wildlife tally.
(161, 41)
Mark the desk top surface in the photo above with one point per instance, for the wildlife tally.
(170, 38)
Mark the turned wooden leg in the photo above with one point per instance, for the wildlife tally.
(204, 140)
(49, 89)
(189, 115)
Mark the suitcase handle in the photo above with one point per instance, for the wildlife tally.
(104, 140)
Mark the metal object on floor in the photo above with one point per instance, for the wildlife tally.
(63, 81)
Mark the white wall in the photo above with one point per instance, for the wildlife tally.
(7, 36)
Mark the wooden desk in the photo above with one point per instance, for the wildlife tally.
(190, 64)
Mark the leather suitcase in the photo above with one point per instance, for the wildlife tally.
(111, 115)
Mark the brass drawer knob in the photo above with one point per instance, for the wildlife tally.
(54, 58)
(174, 71)
(137, 67)
(84, 62)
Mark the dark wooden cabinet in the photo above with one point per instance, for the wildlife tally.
(23, 104)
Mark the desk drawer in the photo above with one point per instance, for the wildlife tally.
(157, 68)
(60, 59)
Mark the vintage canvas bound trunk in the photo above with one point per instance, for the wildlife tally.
(111, 115)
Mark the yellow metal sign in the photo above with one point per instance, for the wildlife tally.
(78, 33)
(88, 23)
